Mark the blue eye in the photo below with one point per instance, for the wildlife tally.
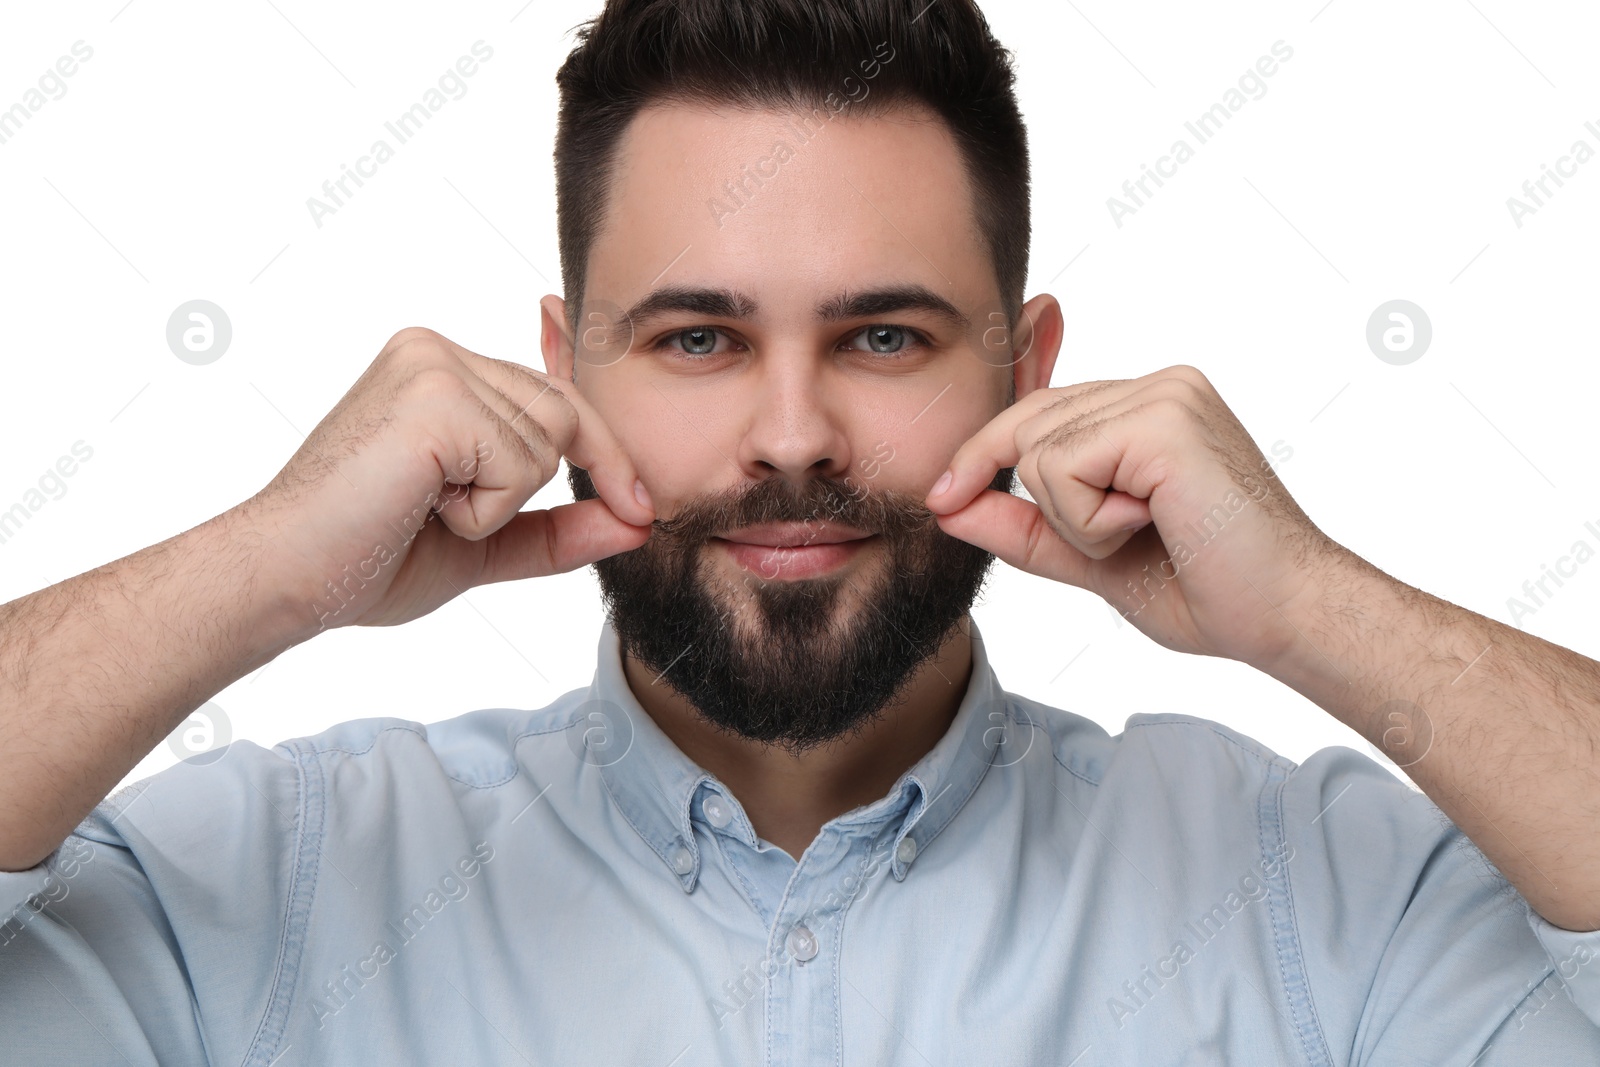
(887, 340)
(699, 342)
(695, 341)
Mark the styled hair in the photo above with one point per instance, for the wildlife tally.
(801, 55)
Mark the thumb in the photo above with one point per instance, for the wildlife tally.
(1017, 532)
(560, 539)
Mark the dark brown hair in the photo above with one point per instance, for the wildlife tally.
(778, 54)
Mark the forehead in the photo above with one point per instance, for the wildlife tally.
(789, 205)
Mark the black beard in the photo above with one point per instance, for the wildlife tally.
(798, 680)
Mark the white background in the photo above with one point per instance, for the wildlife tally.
(1377, 166)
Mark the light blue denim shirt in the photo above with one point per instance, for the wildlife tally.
(564, 886)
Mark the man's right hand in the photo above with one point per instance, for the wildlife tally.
(432, 427)
(405, 496)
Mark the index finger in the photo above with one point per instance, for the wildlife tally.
(986, 452)
(591, 446)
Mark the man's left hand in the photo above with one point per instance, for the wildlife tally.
(1151, 495)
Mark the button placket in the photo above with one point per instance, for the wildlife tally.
(801, 943)
(805, 993)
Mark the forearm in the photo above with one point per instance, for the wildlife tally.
(96, 670)
(1507, 739)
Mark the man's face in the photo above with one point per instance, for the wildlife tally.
(823, 332)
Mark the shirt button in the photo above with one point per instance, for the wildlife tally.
(906, 850)
(716, 811)
(802, 944)
(682, 862)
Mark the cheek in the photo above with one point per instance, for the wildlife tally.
(672, 460)
(924, 419)
(910, 458)
(672, 457)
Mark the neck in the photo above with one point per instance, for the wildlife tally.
(789, 797)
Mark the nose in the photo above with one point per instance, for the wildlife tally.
(795, 427)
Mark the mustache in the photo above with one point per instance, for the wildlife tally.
(777, 499)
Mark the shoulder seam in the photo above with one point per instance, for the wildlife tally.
(318, 750)
(1210, 727)
(422, 735)
(1075, 773)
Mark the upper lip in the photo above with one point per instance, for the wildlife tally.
(794, 534)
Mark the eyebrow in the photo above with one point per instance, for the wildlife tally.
(731, 304)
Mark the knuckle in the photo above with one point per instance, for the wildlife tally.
(412, 333)
(416, 343)
(1102, 549)
(540, 464)
(1060, 403)
(536, 435)
(1059, 443)
(1189, 375)
(534, 458)
(435, 383)
(551, 394)
(426, 449)
(550, 428)
(1186, 393)
(465, 525)
(1170, 407)
(517, 370)
(1075, 398)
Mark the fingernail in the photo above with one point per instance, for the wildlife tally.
(641, 494)
(942, 484)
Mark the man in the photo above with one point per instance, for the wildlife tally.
(795, 819)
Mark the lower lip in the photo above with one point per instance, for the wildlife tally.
(799, 561)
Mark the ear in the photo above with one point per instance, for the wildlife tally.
(1037, 343)
(555, 338)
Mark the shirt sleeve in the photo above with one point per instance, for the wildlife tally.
(1416, 950)
(1575, 959)
(153, 934)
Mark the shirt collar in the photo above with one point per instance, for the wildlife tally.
(654, 784)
